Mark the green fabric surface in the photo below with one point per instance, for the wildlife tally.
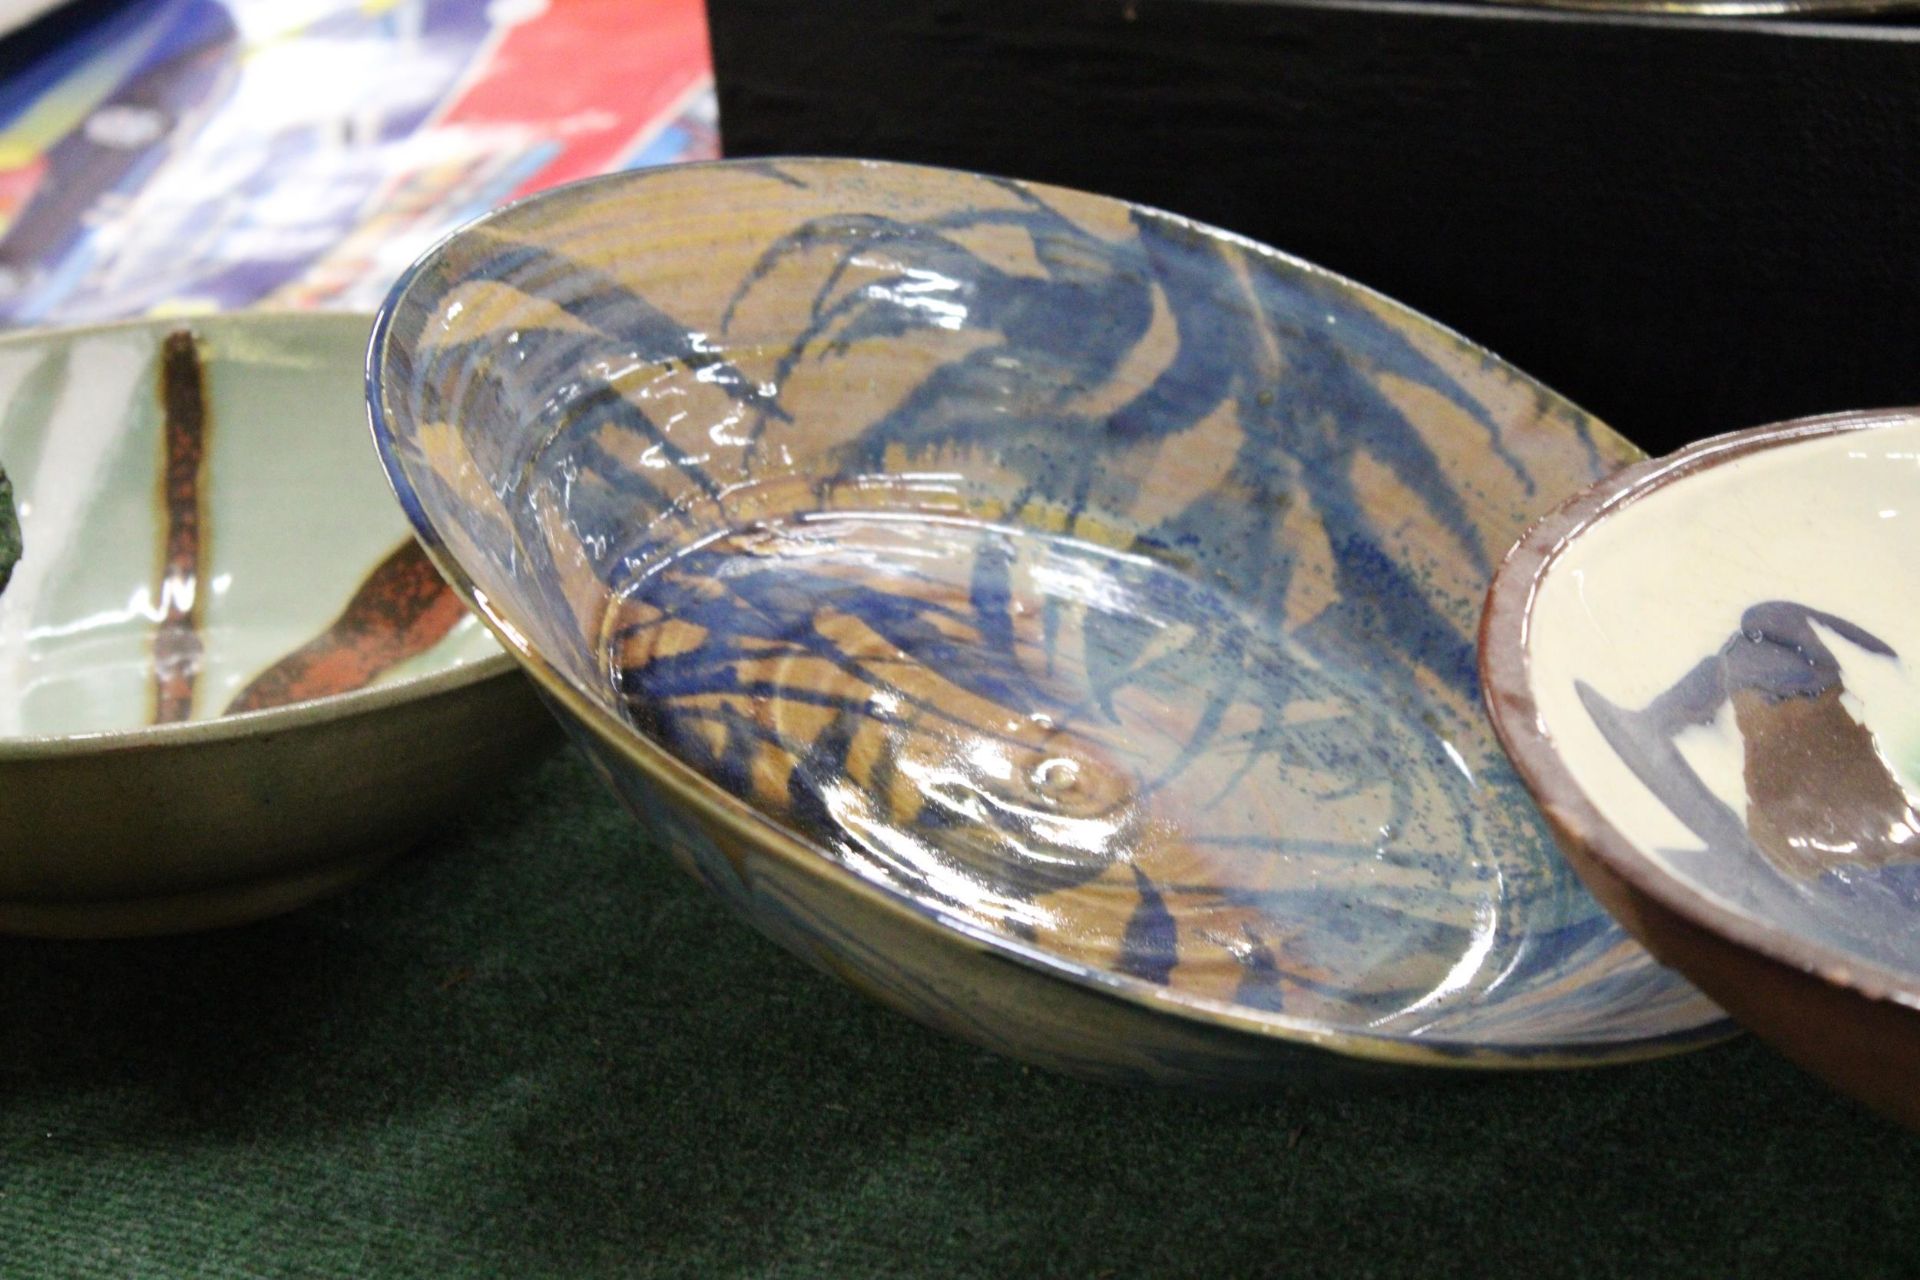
(535, 1048)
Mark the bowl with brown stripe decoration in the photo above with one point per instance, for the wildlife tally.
(230, 681)
(1053, 617)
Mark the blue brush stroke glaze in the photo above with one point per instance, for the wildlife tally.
(1151, 946)
(1298, 367)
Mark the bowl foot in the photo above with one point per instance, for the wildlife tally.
(215, 907)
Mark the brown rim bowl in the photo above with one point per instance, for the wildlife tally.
(1682, 780)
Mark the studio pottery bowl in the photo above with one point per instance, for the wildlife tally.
(229, 680)
(1704, 669)
(1047, 615)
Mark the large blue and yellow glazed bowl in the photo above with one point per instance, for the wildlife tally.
(1052, 617)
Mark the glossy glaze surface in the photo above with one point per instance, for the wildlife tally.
(229, 680)
(1747, 719)
(191, 533)
(1060, 579)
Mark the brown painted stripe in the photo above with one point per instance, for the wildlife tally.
(403, 609)
(176, 642)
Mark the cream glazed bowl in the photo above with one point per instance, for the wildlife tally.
(1704, 669)
(229, 680)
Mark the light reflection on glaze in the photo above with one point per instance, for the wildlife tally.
(75, 440)
(965, 710)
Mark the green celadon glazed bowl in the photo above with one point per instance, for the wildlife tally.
(229, 680)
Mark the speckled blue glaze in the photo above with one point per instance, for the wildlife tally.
(1054, 617)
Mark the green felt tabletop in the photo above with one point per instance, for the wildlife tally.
(535, 1048)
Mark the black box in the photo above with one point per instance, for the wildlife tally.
(1686, 225)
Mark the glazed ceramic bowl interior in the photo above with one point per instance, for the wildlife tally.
(194, 545)
(1066, 575)
(1724, 703)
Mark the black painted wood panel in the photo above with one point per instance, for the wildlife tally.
(1685, 225)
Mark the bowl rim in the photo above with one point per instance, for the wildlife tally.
(305, 713)
(1506, 666)
(1714, 12)
(688, 786)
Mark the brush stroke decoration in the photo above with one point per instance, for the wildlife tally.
(983, 585)
(402, 610)
(183, 437)
(1704, 669)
